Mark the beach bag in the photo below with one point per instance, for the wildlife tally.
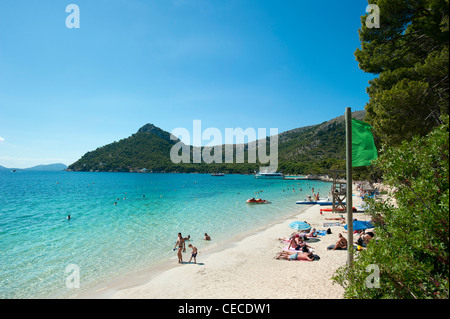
(329, 231)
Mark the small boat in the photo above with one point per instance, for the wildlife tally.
(257, 201)
(306, 202)
(314, 202)
(328, 203)
(217, 174)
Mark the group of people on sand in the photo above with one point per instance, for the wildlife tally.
(181, 245)
(363, 240)
(298, 249)
(301, 250)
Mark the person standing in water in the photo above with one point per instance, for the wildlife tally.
(181, 247)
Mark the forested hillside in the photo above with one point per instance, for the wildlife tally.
(308, 150)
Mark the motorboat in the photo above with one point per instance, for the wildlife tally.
(269, 175)
(217, 174)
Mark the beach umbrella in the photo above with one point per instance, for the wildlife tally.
(360, 225)
(297, 225)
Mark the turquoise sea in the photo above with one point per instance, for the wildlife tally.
(38, 242)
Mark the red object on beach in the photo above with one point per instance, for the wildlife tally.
(337, 209)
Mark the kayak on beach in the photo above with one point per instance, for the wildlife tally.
(336, 209)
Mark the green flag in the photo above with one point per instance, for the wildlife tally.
(363, 146)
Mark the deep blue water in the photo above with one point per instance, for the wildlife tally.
(38, 242)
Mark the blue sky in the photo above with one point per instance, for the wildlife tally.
(229, 63)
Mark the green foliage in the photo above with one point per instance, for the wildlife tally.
(412, 237)
(310, 150)
(410, 53)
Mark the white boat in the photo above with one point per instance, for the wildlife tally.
(306, 202)
(321, 202)
(269, 175)
(324, 201)
(328, 203)
(217, 174)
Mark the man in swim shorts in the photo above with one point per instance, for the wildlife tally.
(194, 253)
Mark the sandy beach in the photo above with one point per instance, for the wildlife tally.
(247, 269)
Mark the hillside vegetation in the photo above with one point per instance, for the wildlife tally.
(308, 150)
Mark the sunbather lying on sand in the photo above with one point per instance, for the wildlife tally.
(295, 256)
(298, 236)
(312, 233)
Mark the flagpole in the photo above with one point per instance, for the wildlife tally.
(349, 201)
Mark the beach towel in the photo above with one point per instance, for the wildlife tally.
(321, 232)
(332, 246)
(331, 224)
(290, 249)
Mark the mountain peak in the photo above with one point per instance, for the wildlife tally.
(148, 128)
(152, 129)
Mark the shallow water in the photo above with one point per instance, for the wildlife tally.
(38, 242)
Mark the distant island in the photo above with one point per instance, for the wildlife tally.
(42, 168)
(312, 149)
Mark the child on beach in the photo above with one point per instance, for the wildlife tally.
(194, 253)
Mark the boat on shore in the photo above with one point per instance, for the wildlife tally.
(317, 202)
(313, 202)
(337, 209)
(307, 202)
(326, 203)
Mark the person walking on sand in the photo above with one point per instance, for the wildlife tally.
(194, 253)
(181, 247)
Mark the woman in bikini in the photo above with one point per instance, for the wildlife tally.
(181, 247)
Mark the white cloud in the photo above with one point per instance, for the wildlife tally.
(2, 139)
